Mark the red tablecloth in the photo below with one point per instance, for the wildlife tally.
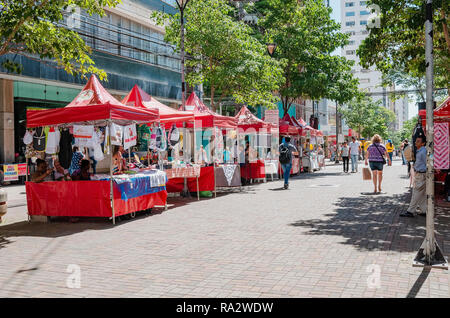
(254, 170)
(205, 182)
(84, 199)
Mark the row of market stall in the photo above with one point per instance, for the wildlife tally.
(168, 150)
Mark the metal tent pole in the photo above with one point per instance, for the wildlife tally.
(111, 175)
(430, 254)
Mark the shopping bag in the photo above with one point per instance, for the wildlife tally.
(366, 173)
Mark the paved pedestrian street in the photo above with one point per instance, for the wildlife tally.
(320, 238)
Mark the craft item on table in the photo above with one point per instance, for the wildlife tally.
(228, 171)
(116, 134)
(174, 135)
(31, 153)
(83, 135)
(53, 137)
(65, 148)
(130, 136)
(39, 140)
(28, 138)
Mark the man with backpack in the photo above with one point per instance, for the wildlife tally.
(286, 152)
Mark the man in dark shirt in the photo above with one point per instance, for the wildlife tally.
(286, 164)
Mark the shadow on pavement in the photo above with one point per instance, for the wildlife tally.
(419, 283)
(373, 223)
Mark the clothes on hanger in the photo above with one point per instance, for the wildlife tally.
(65, 148)
(39, 139)
(53, 137)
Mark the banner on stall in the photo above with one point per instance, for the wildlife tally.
(130, 136)
(83, 135)
(10, 172)
(116, 134)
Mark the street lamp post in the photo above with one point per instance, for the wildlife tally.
(182, 5)
(430, 254)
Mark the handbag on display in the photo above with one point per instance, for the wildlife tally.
(28, 138)
(174, 135)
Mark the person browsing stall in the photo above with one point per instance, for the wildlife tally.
(419, 196)
(42, 172)
(83, 173)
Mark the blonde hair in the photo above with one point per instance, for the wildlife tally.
(376, 139)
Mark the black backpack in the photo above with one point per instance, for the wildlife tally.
(285, 154)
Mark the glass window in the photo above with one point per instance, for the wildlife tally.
(349, 4)
(363, 3)
(364, 12)
(363, 22)
(350, 52)
(350, 23)
(350, 14)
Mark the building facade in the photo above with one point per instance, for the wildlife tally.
(354, 20)
(125, 43)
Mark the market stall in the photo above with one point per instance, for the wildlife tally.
(178, 166)
(288, 127)
(441, 146)
(256, 135)
(94, 119)
(215, 138)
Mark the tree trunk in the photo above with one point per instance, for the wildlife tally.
(213, 107)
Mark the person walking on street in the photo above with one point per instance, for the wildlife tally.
(345, 152)
(355, 150)
(287, 150)
(419, 197)
(376, 154)
(390, 149)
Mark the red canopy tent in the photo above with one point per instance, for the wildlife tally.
(245, 119)
(306, 127)
(288, 127)
(167, 115)
(441, 113)
(93, 105)
(207, 117)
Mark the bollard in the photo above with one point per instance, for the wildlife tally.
(3, 205)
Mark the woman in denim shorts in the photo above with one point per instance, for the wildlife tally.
(376, 153)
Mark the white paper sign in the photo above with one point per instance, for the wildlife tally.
(83, 135)
(116, 134)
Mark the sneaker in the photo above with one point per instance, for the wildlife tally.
(286, 185)
(407, 214)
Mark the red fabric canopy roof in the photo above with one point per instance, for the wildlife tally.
(93, 105)
(441, 113)
(167, 115)
(288, 127)
(246, 120)
(207, 117)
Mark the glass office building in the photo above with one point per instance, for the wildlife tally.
(125, 43)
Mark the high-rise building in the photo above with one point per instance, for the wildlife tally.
(354, 19)
(125, 43)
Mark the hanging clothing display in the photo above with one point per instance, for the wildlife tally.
(174, 135)
(39, 139)
(28, 138)
(161, 142)
(53, 137)
(152, 144)
(83, 135)
(129, 136)
(75, 162)
(65, 148)
(116, 134)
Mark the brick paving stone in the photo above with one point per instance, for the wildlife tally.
(303, 242)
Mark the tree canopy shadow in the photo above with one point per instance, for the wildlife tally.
(373, 223)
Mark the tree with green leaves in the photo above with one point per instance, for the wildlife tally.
(32, 28)
(306, 37)
(367, 117)
(406, 132)
(223, 54)
(399, 42)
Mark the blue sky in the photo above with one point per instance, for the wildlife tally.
(335, 5)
